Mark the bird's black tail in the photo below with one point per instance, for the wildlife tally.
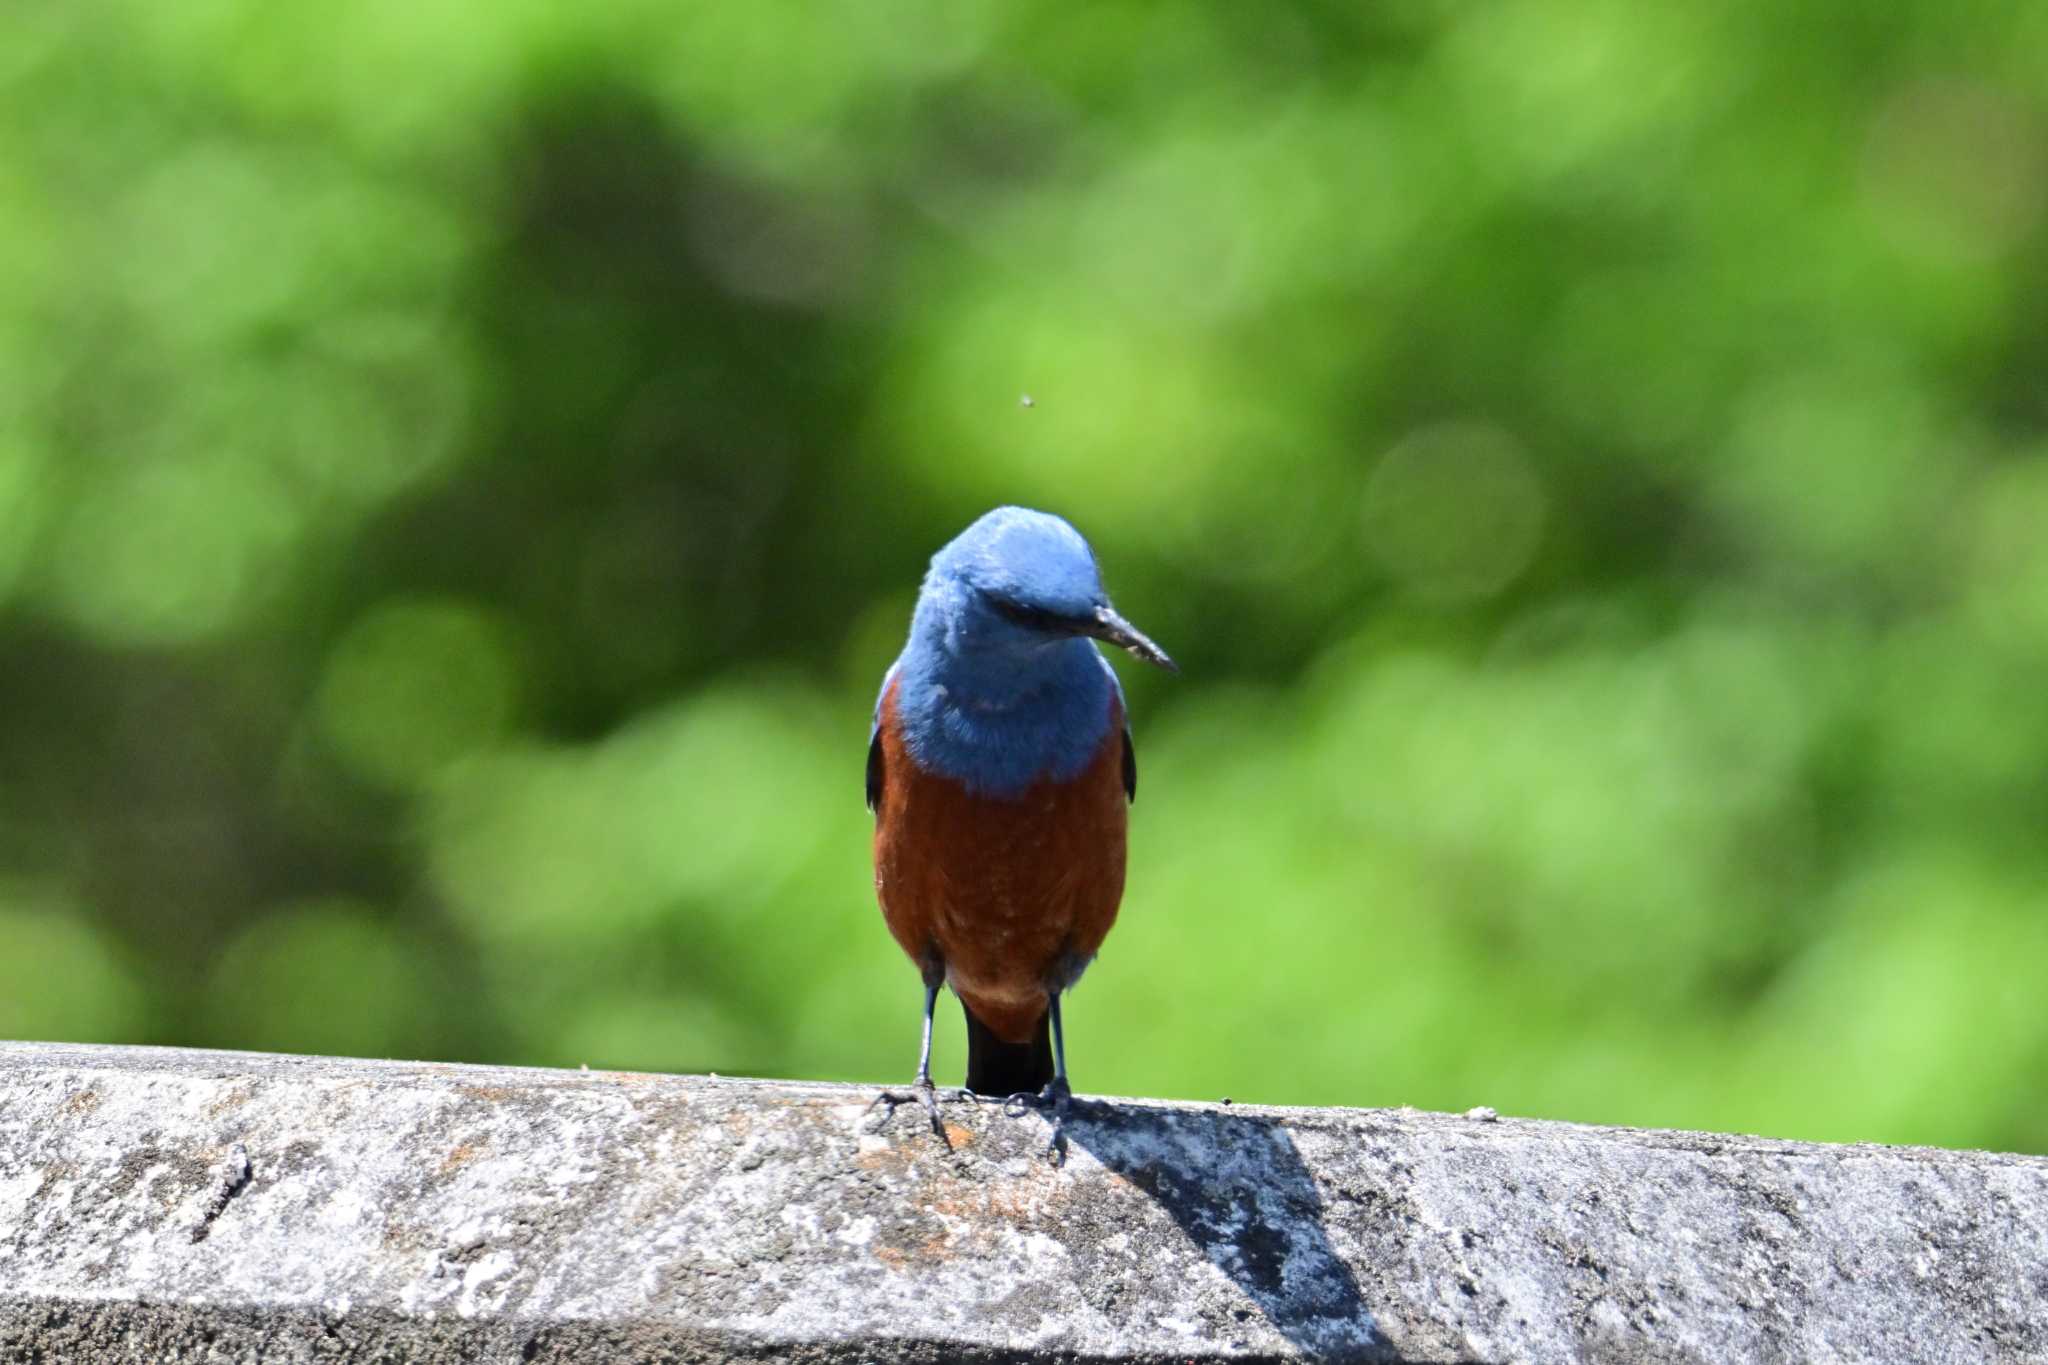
(997, 1068)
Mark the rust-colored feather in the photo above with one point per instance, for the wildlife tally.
(1012, 896)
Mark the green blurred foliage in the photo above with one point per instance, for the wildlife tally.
(463, 472)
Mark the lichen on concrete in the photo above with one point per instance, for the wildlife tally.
(163, 1205)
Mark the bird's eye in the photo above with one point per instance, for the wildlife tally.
(1030, 617)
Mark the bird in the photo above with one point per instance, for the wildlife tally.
(1000, 768)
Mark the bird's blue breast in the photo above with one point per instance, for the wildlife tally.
(997, 726)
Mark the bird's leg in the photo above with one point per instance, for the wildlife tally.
(1058, 1096)
(921, 1090)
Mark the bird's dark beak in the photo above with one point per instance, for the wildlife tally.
(1107, 625)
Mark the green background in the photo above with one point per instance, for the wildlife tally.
(463, 470)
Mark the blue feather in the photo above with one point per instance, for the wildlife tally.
(986, 697)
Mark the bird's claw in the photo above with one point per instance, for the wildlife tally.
(922, 1092)
(1057, 1100)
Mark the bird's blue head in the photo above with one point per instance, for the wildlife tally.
(1000, 681)
(1016, 584)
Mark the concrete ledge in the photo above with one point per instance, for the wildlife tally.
(163, 1205)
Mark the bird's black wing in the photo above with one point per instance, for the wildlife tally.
(875, 773)
(1130, 767)
(875, 767)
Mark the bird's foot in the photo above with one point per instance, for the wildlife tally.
(921, 1092)
(1057, 1101)
(1056, 1095)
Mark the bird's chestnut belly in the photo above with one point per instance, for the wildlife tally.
(1008, 896)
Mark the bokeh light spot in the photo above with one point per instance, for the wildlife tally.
(711, 804)
(1957, 168)
(1454, 512)
(1631, 354)
(1139, 417)
(325, 976)
(24, 504)
(415, 685)
(1834, 467)
(2005, 530)
(59, 978)
(764, 243)
(160, 551)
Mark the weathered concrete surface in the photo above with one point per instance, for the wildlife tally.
(164, 1206)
